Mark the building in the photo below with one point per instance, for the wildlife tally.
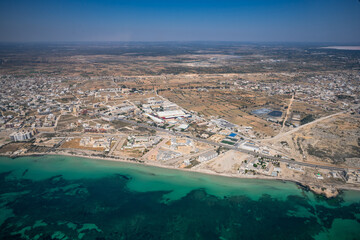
(232, 135)
(183, 127)
(250, 146)
(221, 123)
(96, 142)
(319, 176)
(165, 155)
(172, 114)
(21, 136)
(155, 119)
(207, 156)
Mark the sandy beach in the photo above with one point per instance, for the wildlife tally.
(327, 191)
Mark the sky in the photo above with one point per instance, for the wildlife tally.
(187, 20)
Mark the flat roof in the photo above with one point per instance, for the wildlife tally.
(172, 113)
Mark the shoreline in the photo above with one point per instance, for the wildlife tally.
(334, 192)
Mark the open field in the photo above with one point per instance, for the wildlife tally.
(12, 147)
(335, 140)
(75, 144)
(144, 59)
(233, 106)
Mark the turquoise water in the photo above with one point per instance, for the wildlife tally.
(58, 197)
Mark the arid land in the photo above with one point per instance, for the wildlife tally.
(270, 111)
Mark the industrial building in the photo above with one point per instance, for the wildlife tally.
(155, 119)
(172, 114)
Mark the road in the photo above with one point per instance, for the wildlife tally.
(287, 112)
(155, 149)
(300, 127)
(57, 145)
(235, 148)
(120, 142)
(57, 120)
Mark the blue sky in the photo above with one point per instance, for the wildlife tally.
(171, 20)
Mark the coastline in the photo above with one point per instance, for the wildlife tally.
(328, 192)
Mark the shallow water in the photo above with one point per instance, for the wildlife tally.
(57, 197)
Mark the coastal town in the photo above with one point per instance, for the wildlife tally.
(179, 120)
(60, 115)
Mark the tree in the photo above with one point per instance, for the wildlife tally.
(218, 150)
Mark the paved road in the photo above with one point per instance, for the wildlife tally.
(57, 145)
(232, 147)
(282, 134)
(158, 146)
(120, 142)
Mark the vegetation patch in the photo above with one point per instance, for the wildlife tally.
(307, 119)
(228, 142)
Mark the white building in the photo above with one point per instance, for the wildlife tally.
(155, 119)
(250, 146)
(207, 156)
(183, 126)
(172, 114)
(21, 136)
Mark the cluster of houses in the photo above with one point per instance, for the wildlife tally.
(324, 87)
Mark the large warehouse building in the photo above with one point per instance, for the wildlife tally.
(172, 114)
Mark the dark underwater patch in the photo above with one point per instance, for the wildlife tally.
(105, 208)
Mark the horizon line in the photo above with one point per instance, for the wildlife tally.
(178, 41)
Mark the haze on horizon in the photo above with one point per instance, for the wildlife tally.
(199, 20)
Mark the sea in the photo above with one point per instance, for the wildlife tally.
(64, 197)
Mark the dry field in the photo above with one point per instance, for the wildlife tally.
(12, 147)
(234, 106)
(335, 140)
(134, 152)
(228, 162)
(65, 122)
(75, 144)
(306, 109)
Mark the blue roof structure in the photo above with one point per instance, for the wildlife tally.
(232, 135)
